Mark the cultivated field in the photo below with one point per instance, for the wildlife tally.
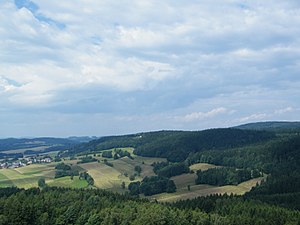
(26, 177)
(202, 189)
(111, 178)
(67, 182)
(202, 166)
(36, 149)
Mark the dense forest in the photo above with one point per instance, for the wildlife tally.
(277, 126)
(152, 185)
(176, 145)
(225, 176)
(91, 207)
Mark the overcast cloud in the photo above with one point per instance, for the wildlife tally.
(114, 67)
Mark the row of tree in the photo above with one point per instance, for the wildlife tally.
(166, 169)
(225, 176)
(151, 186)
(86, 176)
(63, 170)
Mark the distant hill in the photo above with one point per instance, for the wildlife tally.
(16, 147)
(82, 138)
(176, 145)
(272, 125)
(25, 143)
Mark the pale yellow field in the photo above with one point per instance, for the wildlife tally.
(105, 177)
(148, 160)
(67, 182)
(203, 166)
(203, 189)
(183, 180)
(25, 149)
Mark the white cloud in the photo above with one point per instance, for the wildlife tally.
(284, 110)
(165, 56)
(253, 117)
(194, 116)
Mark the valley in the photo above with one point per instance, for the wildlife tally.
(111, 177)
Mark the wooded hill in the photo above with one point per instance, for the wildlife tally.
(176, 145)
(271, 126)
(274, 153)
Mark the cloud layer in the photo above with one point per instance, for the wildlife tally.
(103, 68)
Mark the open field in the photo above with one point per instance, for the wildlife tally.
(22, 150)
(105, 177)
(202, 189)
(111, 178)
(203, 166)
(67, 182)
(26, 177)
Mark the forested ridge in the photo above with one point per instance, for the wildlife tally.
(176, 145)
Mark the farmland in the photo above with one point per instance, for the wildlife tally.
(111, 177)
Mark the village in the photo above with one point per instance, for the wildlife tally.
(28, 160)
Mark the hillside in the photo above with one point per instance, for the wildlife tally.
(16, 147)
(176, 145)
(272, 125)
(23, 143)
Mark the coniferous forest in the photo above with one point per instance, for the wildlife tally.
(69, 206)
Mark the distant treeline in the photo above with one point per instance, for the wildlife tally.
(10, 155)
(22, 143)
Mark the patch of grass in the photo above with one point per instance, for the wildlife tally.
(36, 169)
(203, 190)
(148, 160)
(19, 180)
(67, 182)
(26, 177)
(4, 181)
(183, 180)
(104, 176)
(22, 150)
(203, 166)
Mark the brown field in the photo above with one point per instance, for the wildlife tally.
(203, 166)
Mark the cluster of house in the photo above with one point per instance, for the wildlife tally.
(24, 162)
(11, 165)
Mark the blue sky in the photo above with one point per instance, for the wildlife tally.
(115, 67)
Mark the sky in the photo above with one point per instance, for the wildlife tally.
(105, 67)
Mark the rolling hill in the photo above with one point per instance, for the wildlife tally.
(176, 145)
(272, 125)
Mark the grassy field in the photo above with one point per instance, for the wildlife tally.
(67, 182)
(202, 190)
(203, 166)
(36, 149)
(26, 177)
